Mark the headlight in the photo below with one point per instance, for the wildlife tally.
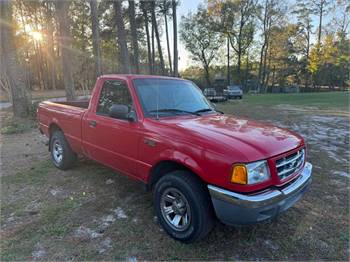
(258, 172)
(250, 174)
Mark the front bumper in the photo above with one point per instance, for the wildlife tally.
(239, 209)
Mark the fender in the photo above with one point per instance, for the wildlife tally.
(179, 158)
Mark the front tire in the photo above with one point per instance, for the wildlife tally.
(61, 154)
(183, 206)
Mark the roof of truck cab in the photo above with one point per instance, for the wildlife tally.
(135, 76)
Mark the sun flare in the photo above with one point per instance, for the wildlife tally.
(34, 34)
(37, 36)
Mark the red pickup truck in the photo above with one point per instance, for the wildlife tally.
(201, 163)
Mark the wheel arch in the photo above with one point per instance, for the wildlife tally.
(53, 127)
(165, 166)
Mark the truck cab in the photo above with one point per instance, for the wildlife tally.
(201, 164)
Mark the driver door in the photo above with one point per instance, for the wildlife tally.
(110, 141)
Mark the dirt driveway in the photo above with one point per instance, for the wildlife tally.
(92, 213)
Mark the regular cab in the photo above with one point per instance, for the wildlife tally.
(201, 164)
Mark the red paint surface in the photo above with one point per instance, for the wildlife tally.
(208, 145)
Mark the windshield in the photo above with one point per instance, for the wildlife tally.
(233, 88)
(164, 97)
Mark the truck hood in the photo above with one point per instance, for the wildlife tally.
(225, 134)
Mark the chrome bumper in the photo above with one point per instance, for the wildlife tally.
(261, 206)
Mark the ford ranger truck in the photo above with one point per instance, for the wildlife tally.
(201, 164)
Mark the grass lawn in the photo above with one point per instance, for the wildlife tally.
(324, 100)
(93, 213)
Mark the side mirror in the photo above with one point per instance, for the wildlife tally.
(121, 112)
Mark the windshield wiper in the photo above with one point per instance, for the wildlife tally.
(204, 110)
(208, 110)
(174, 110)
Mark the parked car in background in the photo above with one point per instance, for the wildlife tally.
(201, 163)
(213, 96)
(209, 92)
(234, 91)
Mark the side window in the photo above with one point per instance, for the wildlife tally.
(113, 92)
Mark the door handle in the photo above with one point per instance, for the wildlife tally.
(92, 123)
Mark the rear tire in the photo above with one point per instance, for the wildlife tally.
(62, 155)
(183, 206)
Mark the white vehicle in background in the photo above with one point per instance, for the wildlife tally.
(233, 91)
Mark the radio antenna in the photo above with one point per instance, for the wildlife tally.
(157, 99)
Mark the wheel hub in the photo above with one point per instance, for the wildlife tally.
(179, 207)
(175, 209)
(57, 152)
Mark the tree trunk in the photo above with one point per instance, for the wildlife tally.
(145, 17)
(239, 63)
(239, 53)
(134, 35)
(121, 38)
(206, 66)
(84, 78)
(273, 77)
(160, 52)
(95, 38)
(153, 50)
(307, 59)
(37, 64)
(51, 51)
(264, 68)
(167, 42)
(262, 51)
(207, 75)
(176, 57)
(43, 68)
(27, 64)
(10, 66)
(268, 65)
(228, 62)
(320, 22)
(43, 76)
(62, 8)
(266, 85)
(263, 47)
(246, 72)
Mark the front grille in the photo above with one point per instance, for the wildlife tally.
(290, 164)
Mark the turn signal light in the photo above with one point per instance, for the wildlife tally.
(239, 174)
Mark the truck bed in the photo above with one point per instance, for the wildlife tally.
(65, 115)
(78, 103)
